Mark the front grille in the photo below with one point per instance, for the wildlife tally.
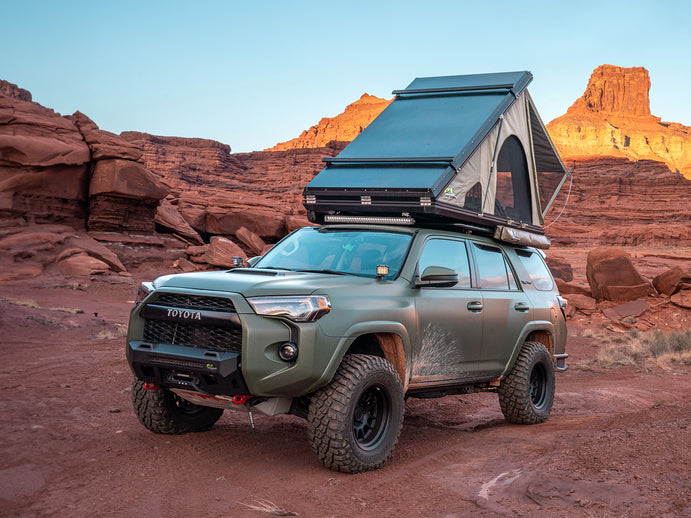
(176, 300)
(179, 333)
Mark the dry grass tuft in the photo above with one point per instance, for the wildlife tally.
(118, 331)
(661, 348)
(264, 506)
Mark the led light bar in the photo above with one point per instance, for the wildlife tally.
(377, 220)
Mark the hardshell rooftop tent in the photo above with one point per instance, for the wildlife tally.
(467, 149)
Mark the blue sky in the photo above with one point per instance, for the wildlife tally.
(254, 73)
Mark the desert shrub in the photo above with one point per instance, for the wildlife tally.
(664, 348)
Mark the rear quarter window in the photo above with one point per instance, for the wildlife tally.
(537, 269)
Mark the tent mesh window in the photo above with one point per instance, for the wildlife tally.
(473, 198)
(513, 187)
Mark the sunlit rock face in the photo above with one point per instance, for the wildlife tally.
(343, 127)
(613, 118)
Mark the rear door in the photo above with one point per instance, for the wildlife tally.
(506, 308)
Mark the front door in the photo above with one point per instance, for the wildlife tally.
(450, 319)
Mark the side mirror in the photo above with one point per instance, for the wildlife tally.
(438, 277)
(253, 260)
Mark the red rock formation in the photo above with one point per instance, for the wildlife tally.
(343, 127)
(613, 119)
(11, 90)
(617, 202)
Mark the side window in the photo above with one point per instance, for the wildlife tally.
(448, 253)
(494, 272)
(537, 269)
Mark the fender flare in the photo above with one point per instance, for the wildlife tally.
(374, 327)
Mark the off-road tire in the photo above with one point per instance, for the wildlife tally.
(162, 411)
(527, 393)
(354, 422)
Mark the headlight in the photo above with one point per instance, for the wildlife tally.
(144, 289)
(299, 309)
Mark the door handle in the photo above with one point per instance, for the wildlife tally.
(521, 306)
(475, 306)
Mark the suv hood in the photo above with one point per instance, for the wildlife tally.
(251, 283)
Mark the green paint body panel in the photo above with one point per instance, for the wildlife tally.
(445, 344)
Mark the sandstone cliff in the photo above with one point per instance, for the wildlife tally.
(343, 127)
(613, 119)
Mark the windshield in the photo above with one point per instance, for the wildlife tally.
(344, 251)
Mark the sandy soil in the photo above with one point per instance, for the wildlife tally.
(617, 443)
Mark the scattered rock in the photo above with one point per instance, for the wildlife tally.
(682, 299)
(613, 269)
(587, 305)
(623, 311)
(255, 243)
(221, 252)
(185, 265)
(567, 288)
(168, 217)
(669, 282)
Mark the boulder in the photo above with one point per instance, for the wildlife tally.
(82, 265)
(624, 293)
(560, 267)
(221, 252)
(682, 299)
(255, 243)
(85, 244)
(124, 196)
(669, 282)
(613, 268)
(125, 179)
(168, 217)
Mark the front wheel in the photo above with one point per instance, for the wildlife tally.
(527, 393)
(163, 411)
(354, 422)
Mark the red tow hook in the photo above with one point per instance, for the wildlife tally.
(241, 400)
(150, 386)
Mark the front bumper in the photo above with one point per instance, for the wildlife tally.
(174, 366)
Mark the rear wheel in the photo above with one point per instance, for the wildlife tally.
(354, 422)
(527, 393)
(163, 411)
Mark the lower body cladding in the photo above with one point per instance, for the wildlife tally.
(259, 405)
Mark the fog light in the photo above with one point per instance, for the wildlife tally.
(237, 261)
(382, 270)
(288, 352)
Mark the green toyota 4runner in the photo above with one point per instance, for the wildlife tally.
(339, 324)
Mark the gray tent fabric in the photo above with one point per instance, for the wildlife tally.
(457, 148)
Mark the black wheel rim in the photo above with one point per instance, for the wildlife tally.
(538, 385)
(371, 418)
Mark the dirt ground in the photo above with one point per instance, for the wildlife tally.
(617, 442)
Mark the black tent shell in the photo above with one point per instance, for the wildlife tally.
(456, 149)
